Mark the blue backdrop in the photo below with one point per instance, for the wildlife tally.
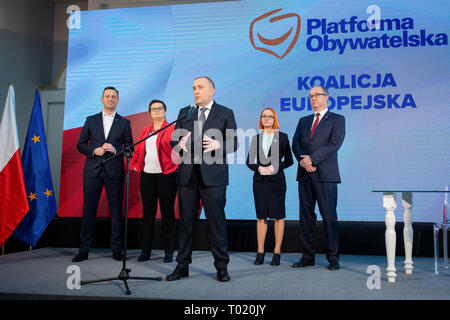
(390, 82)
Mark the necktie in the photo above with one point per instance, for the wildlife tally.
(202, 117)
(198, 154)
(201, 120)
(315, 125)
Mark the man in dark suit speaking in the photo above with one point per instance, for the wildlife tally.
(206, 139)
(316, 142)
(103, 135)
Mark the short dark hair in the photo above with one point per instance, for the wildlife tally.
(325, 90)
(110, 88)
(156, 101)
(207, 78)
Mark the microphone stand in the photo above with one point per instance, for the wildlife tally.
(124, 274)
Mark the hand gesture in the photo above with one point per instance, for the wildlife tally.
(210, 144)
(182, 142)
(99, 151)
(109, 147)
(306, 163)
(266, 171)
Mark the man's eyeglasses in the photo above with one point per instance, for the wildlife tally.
(156, 109)
(315, 95)
(267, 117)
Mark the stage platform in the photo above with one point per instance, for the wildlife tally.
(42, 274)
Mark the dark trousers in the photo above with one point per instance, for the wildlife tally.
(213, 200)
(325, 195)
(154, 187)
(92, 190)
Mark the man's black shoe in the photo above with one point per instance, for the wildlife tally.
(80, 257)
(303, 263)
(333, 266)
(222, 275)
(179, 272)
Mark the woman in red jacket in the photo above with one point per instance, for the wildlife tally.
(153, 160)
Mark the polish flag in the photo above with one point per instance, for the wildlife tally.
(13, 196)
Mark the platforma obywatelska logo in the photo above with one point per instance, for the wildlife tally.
(280, 46)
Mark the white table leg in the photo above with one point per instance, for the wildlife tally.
(407, 231)
(436, 247)
(390, 204)
(444, 239)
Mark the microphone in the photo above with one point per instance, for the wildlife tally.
(191, 112)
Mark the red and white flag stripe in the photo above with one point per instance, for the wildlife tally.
(13, 197)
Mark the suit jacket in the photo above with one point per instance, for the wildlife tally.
(92, 136)
(166, 156)
(322, 147)
(220, 121)
(279, 156)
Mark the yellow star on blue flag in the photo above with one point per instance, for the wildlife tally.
(36, 139)
(48, 193)
(32, 196)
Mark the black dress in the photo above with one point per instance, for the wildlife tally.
(269, 192)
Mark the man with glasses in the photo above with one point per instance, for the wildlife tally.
(316, 142)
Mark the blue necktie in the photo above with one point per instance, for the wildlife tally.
(202, 117)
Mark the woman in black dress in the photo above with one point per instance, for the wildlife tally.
(269, 154)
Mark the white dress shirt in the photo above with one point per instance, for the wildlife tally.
(208, 109)
(107, 122)
(322, 113)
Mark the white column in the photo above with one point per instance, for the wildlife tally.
(390, 204)
(407, 231)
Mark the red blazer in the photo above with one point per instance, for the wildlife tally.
(163, 148)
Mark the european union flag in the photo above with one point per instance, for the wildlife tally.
(38, 180)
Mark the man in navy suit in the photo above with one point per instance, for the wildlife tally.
(103, 134)
(206, 140)
(316, 142)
